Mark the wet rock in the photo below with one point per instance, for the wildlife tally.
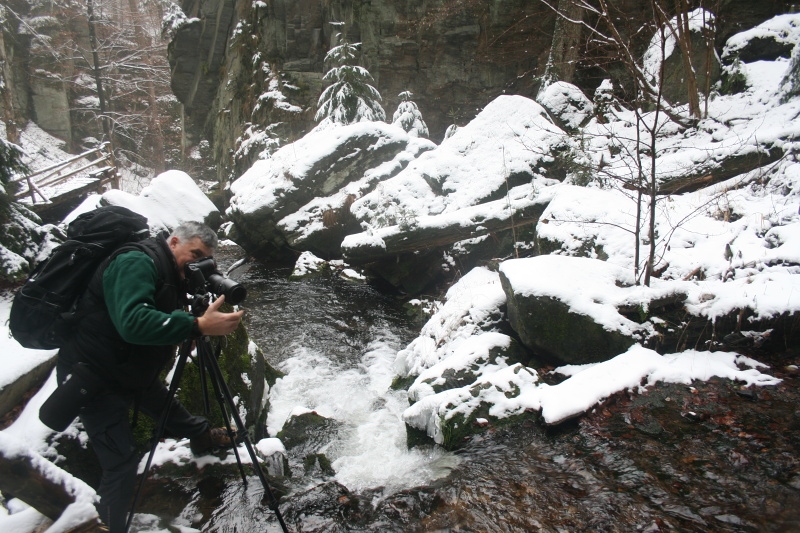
(318, 464)
(248, 376)
(328, 507)
(307, 432)
(275, 461)
(309, 265)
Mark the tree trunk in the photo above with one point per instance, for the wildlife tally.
(565, 47)
(7, 93)
(683, 36)
(31, 479)
(98, 80)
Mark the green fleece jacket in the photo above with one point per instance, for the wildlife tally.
(129, 286)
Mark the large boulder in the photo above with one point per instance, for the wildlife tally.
(277, 202)
(773, 39)
(565, 308)
(702, 56)
(463, 363)
(171, 198)
(491, 176)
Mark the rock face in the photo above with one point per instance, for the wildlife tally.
(455, 56)
(453, 59)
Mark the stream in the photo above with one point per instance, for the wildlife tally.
(701, 457)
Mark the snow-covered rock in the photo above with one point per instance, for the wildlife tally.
(567, 104)
(170, 199)
(310, 177)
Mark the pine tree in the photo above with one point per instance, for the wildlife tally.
(350, 98)
(408, 116)
(10, 166)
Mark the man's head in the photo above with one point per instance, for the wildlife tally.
(191, 241)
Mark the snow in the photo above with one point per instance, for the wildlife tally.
(171, 198)
(511, 136)
(728, 247)
(697, 20)
(731, 246)
(782, 29)
(568, 103)
(626, 371)
(267, 181)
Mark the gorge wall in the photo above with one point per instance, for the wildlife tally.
(250, 72)
(454, 55)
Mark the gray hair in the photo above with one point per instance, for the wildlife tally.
(187, 231)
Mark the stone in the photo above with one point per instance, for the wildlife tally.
(585, 329)
(267, 196)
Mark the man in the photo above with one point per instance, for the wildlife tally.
(131, 320)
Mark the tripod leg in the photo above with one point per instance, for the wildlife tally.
(216, 376)
(203, 384)
(205, 357)
(162, 422)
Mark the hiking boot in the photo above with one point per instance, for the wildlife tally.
(215, 438)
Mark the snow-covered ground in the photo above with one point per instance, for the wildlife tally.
(732, 246)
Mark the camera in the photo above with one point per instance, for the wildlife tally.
(202, 276)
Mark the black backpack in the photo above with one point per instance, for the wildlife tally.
(44, 308)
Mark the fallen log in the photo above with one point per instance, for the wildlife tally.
(704, 175)
(441, 230)
(31, 478)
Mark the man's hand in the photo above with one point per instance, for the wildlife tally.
(213, 322)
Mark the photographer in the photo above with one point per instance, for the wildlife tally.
(131, 319)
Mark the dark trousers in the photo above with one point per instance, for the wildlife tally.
(106, 420)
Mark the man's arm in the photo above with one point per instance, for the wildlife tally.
(129, 286)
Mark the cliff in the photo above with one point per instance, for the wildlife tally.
(250, 73)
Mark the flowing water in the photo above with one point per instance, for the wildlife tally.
(704, 458)
(336, 341)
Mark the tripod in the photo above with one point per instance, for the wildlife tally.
(208, 365)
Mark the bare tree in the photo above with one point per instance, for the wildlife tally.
(129, 99)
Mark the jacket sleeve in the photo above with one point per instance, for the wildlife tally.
(129, 286)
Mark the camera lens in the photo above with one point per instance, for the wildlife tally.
(235, 293)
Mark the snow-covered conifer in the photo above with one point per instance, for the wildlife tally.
(408, 116)
(350, 97)
(10, 165)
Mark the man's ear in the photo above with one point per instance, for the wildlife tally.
(173, 241)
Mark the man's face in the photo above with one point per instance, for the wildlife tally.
(188, 251)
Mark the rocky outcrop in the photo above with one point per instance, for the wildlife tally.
(454, 57)
(370, 192)
(300, 197)
(450, 58)
(568, 321)
(197, 53)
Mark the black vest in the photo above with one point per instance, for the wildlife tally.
(96, 340)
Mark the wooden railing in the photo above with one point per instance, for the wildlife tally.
(97, 163)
